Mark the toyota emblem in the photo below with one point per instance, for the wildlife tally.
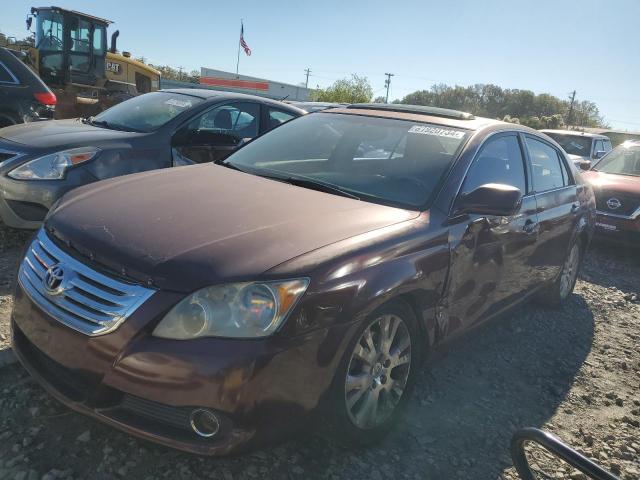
(614, 203)
(53, 279)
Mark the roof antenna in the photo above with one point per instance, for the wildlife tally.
(284, 98)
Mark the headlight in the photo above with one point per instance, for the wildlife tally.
(53, 166)
(238, 310)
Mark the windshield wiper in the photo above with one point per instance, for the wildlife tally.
(110, 126)
(230, 165)
(304, 182)
(318, 185)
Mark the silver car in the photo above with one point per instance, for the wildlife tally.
(582, 148)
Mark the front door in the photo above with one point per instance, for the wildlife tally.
(217, 133)
(489, 254)
(557, 198)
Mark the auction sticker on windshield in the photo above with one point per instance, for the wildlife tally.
(178, 103)
(436, 131)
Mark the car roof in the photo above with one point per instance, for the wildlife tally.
(574, 133)
(220, 95)
(426, 114)
(73, 12)
(24, 74)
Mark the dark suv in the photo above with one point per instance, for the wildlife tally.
(213, 307)
(23, 96)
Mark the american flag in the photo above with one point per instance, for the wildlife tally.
(243, 44)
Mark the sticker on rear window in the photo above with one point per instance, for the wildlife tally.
(178, 103)
(438, 132)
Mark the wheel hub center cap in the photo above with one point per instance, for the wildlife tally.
(377, 369)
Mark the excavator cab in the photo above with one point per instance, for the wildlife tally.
(71, 47)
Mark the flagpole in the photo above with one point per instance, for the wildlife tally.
(238, 62)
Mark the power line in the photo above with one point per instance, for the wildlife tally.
(387, 84)
(570, 114)
(306, 83)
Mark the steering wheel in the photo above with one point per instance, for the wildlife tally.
(53, 43)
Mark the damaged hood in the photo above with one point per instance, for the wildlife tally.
(191, 227)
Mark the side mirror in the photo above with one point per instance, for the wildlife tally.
(490, 199)
(244, 141)
(599, 154)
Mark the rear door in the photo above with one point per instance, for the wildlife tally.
(558, 207)
(490, 254)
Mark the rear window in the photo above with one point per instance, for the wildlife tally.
(382, 160)
(5, 75)
(573, 144)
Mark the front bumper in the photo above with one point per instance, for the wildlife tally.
(618, 229)
(25, 203)
(261, 390)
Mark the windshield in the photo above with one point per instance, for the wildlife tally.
(573, 144)
(382, 160)
(49, 34)
(623, 160)
(146, 113)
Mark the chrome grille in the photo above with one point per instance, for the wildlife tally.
(74, 294)
(628, 204)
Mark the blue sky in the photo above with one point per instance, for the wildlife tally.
(552, 46)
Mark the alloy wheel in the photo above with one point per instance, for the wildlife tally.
(378, 371)
(569, 271)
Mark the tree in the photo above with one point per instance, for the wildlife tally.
(170, 73)
(512, 105)
(356, 89)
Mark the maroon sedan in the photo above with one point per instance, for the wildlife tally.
(616, 183)
(214, 307)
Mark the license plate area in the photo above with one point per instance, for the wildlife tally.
(606, 226)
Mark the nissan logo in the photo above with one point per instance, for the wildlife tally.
(53, 279)
(614, 203)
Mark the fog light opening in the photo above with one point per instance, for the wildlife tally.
(204, 423)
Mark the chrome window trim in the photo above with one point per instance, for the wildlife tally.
(13, 77)
(86, 301)
(555, 189)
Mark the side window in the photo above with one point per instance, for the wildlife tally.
(499, 161)
(598, 147)
(607, 145)
(278, 117)
(547, 167)
(6, 76)
(237, 119)
(98, 46)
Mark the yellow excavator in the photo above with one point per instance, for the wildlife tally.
(70, 54)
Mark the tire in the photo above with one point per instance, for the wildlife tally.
(368, 396)
(563, 286)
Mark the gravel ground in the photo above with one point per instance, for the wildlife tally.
(574, 372)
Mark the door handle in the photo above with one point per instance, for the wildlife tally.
(530, 227)
(575, 207)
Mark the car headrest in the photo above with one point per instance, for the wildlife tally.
(222, 120)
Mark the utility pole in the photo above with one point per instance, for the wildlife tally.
(180, 73)
(570, 114)
(387, 83)
(306, 83)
